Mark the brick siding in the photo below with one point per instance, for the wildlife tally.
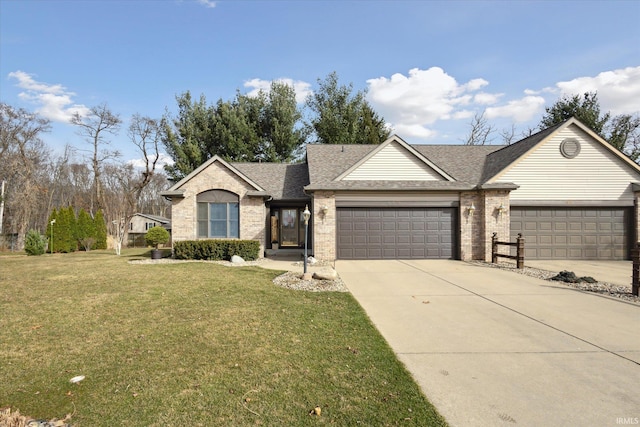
(217, 176)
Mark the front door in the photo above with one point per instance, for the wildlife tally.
(289, 228)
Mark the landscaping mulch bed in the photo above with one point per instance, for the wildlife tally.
(602, 288)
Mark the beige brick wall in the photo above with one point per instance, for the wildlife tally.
(494, 221)
(476, 230)
(216, 176)
(471, 226)
(324, 225)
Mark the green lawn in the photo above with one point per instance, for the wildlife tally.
(190, 344)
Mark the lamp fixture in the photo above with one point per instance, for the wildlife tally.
(306, 215)
(501, 209)
(471, 209)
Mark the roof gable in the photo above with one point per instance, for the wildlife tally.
(502, 161)
(156, 218)
(394, 160)
(215, 159)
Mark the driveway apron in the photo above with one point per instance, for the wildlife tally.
(490, 347)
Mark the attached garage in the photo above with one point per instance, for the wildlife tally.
(585, 233)
(396, 233)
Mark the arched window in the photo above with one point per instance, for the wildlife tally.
(218, 214)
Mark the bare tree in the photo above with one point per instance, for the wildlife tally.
(22, 156)
(131, 182)
(94, 127)
(508, 135)
(150, 202)
(481, 131)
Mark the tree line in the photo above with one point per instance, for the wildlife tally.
(36, 182)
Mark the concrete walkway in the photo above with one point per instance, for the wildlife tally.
(491, 348)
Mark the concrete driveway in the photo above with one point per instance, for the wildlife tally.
(490, 347)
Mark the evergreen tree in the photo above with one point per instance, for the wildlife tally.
(101, 230)
(34, 243)
(264, 127)
(342, 117)
(86, 231)
(61, 232)
(585, 108)
(72, 242)
(187, 137)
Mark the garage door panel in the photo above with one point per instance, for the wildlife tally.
(402, 233)
(368, 240)
(578, 233)
(404, 226)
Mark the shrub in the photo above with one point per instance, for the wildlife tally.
(35, 243)
(156, 236)
(216, 250)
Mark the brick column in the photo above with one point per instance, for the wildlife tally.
(471, 225)
(324, 225)
(252, 221)
(495, 220)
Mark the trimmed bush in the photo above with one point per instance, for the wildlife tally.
(216, 250)
(34, 243)
(156, 236)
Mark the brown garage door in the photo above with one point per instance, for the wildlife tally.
(396, 233)
(573, 233)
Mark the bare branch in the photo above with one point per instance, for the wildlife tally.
(480, 131)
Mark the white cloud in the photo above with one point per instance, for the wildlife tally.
(413, 103)
(303, 89)
(484, 98)
(54, 100)
(618, 90)
(417, 131)
(207, 3)
(520, 110)
(163, 160)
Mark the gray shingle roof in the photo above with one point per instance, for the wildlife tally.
(463, 162)
(327, 161)
(281, 181)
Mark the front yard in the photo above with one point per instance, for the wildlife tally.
(190, 344)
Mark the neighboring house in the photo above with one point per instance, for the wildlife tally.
(569, 193)
(141, 223)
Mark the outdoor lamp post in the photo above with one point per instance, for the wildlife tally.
(53, 221)
(306, 215)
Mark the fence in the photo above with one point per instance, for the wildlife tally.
(519, 244)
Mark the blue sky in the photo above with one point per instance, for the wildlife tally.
(428, 66)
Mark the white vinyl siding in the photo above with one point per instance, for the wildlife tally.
(594, 174)
(393, 163)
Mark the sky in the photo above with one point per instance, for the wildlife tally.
(428, 66)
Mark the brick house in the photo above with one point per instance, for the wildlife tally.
(570, 194)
